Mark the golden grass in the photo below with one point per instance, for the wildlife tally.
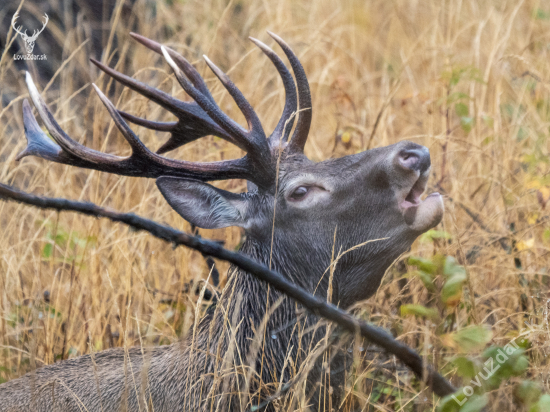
(380, 71)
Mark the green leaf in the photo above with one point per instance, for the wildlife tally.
(475, 404)
(487, 140)
(451, 268)
(432, 234)
(540, 14)
(427, 280)
(427, 265)
(47, 251)
(511, 361)
(456, 74)
(449, 404)
(451, 293)
(522, 133)
(466, 367)
(420, 311)
(488, 120)
(543, 405)
(528, 392)
(520, 365)
(470, 339)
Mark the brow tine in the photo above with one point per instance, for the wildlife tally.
(299, 138)
(291, 106)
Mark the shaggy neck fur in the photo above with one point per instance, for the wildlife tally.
(254, 339)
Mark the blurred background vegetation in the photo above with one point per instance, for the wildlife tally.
(470, 79)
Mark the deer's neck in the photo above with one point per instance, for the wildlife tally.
(253, 330)
(264, 319)
(255, 298)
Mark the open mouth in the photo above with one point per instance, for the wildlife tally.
(421, 214)
(413, 197)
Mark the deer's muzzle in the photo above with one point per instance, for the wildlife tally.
(420, 215)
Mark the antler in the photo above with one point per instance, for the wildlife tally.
(37, 32)
(18, 29)
(200, 118)
(188, 112)
(299, 138)
(142, 162)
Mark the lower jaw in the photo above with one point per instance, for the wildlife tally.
(426, 214)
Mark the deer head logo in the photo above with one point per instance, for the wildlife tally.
(29, 40)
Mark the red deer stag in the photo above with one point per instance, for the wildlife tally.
(371, 195)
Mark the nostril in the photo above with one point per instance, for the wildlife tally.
(409, 159)
(417, 159)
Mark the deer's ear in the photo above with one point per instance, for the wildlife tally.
(202, 204)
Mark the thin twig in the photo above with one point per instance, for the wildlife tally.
(319, 307)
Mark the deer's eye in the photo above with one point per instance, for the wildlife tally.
(299, 193)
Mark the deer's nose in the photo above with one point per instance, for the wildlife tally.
(416, 158)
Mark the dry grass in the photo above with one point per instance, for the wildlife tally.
(380, 71)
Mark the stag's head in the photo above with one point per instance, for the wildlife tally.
(29, 40)
(304, 212)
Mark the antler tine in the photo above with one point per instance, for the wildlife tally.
(250, 115)
(255, 146)
(38, 144)
(138, 148)
(191, 73)
(253, 142)
(149, 124)
(187, 130)
(142, 162)
(287, 118)
(299, 138)
(158, 96)
(188, 113)
(62, 139)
